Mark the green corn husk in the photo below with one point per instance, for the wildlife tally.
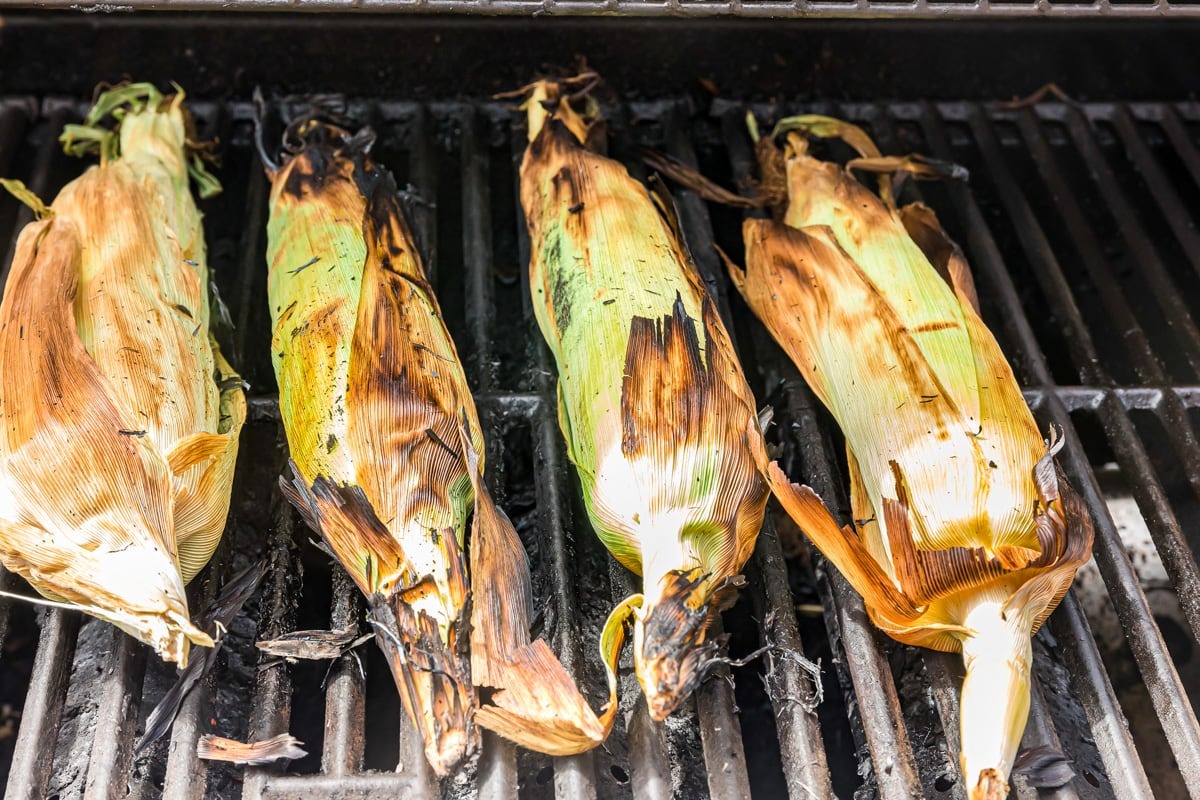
(656, 412)
(966, 533)
(387, 457)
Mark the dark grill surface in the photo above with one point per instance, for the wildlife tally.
(1080, 223)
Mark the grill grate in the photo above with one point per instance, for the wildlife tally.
(1079, 222)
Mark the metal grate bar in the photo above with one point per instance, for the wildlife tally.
(34, 754)
(1040, 733)
(1172, 207)
(649, 774)
(497, 771)
(477, 248)
(186, 775)
(344, 787)
(805, 767)
(1149, 262)
(120, 698)
(422, 172)
(945, 680)
(250, 266)
(272, 700)
(1180, 140)
(345, 704)
(1104, 715)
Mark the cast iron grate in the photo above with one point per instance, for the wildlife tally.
(1080, 224)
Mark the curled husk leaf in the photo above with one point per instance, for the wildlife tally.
(966, 534)
(653, 404)
(387, 459)
(121, 418)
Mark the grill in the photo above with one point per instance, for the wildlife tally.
(1080, 221)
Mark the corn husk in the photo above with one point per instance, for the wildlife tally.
(387, 458)
(966, 534)
(121, 418)
(655, 410)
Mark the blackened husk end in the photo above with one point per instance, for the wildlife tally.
(674, 650)
(432, 676)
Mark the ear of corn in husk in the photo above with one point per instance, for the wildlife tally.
(657, 415)
(121, 418)
(387, 459)
(966, 534)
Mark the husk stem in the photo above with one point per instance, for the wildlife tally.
(656, 412)
(144, 132)
(998, 655)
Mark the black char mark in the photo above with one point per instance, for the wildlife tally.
(666, 388)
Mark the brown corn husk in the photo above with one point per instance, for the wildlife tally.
(120, 416)
(387, 460)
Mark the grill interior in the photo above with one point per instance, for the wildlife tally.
(1080, 221)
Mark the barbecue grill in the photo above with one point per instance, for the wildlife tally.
(1080, 220)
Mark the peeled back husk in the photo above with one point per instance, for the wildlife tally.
(121, 418)
(966, 534)
(387, 459)
(657, 415)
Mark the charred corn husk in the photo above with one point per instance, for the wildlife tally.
(656, 412)
(387, 458)
(120, 416)
(966, 533)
